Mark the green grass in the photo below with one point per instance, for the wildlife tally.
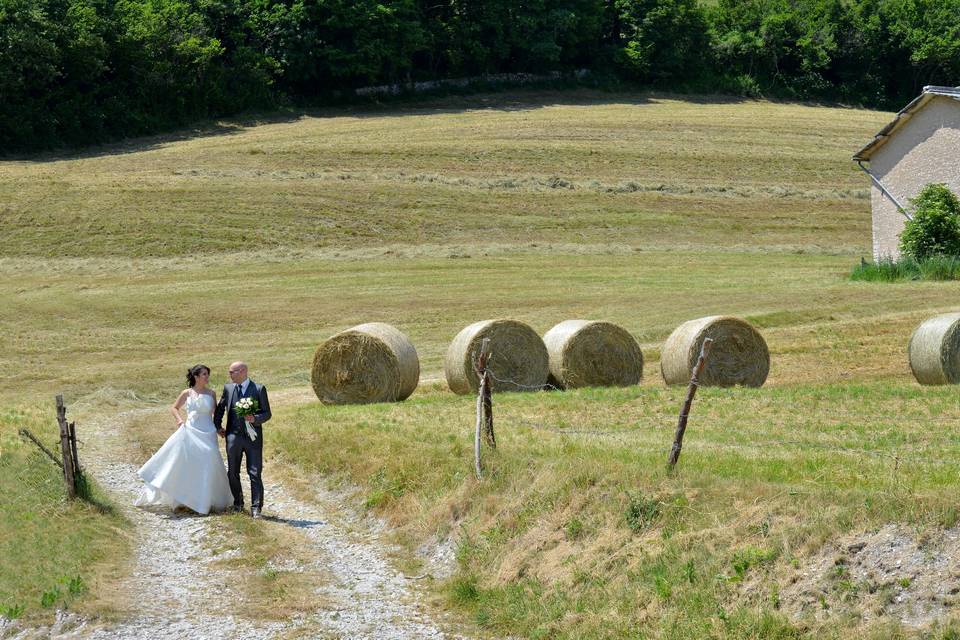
(52, 551)
(138, 329)
(906, 268)
(766, 476)
(121, 268)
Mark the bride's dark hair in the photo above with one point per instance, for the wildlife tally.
(194, 371)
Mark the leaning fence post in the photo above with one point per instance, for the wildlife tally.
(476, 439)
(487, 394)
(66, 449)
(691, 391)
(25, 433)
(484, 405)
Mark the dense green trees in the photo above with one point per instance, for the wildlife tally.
(661, 40)
(74, 72)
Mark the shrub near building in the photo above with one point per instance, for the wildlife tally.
(935, 227)
(929, 244)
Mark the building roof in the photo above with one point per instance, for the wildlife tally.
(915, 105)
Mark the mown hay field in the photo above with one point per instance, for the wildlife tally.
(260, 239)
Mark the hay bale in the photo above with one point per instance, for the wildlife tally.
(739, 354)
(935, 350)
(370, 362)
(519, 356)
(587, 353)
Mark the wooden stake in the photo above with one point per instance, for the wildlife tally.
(476, 436)
(487, 395)
(484, 405)
(65, 449)
(73, 448)
(685, 411)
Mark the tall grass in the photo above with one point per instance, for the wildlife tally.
(940, 268)
(907, 268)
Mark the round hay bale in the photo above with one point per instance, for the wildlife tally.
(519, 361)
(739, 353)
(370, 362)
(588, 353)
(935, 350)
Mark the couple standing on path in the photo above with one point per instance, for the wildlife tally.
(188, 469)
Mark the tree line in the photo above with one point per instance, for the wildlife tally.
(76, 72)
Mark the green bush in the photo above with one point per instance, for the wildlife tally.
(935, 227)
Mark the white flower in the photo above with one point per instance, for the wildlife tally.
(247, 407)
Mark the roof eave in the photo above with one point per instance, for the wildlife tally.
(903, 115)
(887, 131)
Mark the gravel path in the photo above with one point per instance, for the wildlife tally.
(179, 592)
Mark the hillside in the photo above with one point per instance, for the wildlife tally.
(643, 171)
(260, 239)
(670, 193)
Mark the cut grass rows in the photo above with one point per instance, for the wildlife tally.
(262, 240)
(132, 327)
(331, 179)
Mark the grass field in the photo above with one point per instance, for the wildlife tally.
(260, 239)
(53, 553)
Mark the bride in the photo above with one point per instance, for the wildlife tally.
(188, 469)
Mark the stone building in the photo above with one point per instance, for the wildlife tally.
(920, 146)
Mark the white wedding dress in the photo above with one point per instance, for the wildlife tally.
(188, 469)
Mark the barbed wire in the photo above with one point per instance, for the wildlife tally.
(831, 414)
(914, 455)
(642, 426)
(526, 387)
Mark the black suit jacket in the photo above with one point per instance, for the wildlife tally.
(229, 398)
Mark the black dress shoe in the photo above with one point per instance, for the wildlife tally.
(237, 508)
(255, 512)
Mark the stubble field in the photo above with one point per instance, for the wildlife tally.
(258, 240)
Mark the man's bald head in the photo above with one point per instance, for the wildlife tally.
(238, 372)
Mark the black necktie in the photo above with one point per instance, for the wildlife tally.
(239, 391)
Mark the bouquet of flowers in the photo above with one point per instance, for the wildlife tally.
(247, 407)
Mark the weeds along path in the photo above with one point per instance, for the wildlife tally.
(178, 587)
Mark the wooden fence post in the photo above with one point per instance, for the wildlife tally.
(484, 428)
(77, 471)
(66, 450)
(691, 391)
(487, 394)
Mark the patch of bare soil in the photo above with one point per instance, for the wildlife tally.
(891, 573)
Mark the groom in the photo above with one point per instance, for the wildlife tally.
(238, 440)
